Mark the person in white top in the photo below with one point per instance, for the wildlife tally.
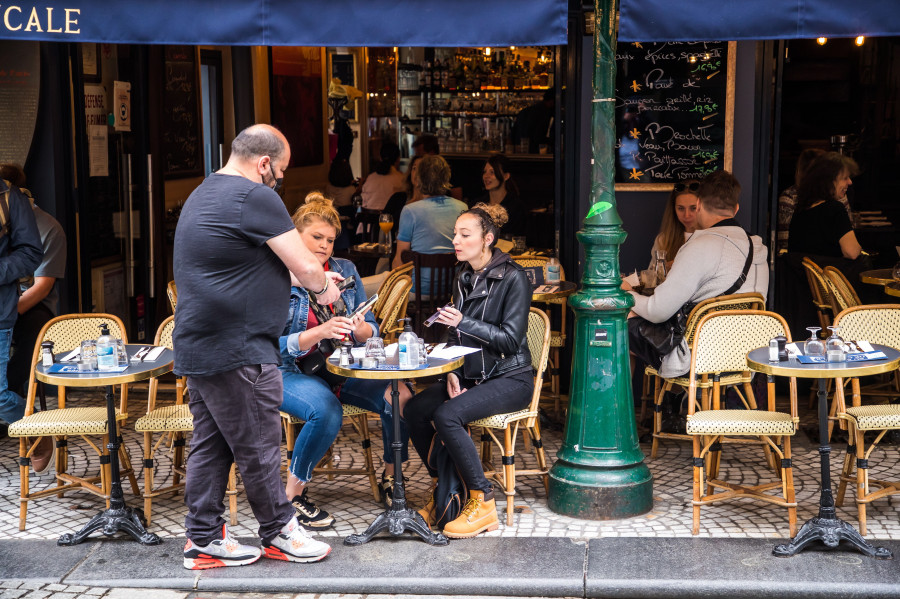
(385, 181)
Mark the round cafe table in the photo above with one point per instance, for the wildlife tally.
(398, 518)
(826, 527)
(118, 517)
(881, 276)
(566, 288)
(892, 288)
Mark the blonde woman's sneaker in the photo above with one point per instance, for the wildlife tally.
(219, 553)
(309, 514)
(293, 544)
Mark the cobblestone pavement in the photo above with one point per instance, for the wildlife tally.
(350, 500)
(26, 590)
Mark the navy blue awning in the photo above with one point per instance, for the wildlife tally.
(289, 22)
(704, 20)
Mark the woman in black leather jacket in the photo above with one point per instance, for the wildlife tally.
(490, 306)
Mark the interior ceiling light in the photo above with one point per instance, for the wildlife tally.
(487, 51)
(821, 40)
(860, 40)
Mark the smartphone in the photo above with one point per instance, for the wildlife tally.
(431, 319)
(348, 283)
(366, 304)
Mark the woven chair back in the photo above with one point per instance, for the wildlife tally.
(875, 323)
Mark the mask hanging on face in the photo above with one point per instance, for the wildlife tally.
(277, 180)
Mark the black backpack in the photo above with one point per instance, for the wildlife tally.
(450, 493)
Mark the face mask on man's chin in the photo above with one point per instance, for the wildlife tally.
(277, 180)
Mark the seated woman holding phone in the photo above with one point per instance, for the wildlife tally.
(311, 393)
(489, 311)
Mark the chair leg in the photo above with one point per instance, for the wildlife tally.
(290, 438)
(862, 482)
(363, 423)
(105, 469)
(178, 463)
(698, 474)
(125, 461)
(23, 483)
(509, 474)
(657, 418)
(62, 461)
(538, 444)
(787, 481)
(148, 476)
(231, 492)
(846, 467)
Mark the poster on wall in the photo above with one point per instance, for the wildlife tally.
(297, 108)
(20, 86)
(182, 136)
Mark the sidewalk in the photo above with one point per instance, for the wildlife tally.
(542, 554)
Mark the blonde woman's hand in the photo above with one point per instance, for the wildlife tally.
(453, 387)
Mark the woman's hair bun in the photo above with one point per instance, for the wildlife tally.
(497, 213)
(317, 197)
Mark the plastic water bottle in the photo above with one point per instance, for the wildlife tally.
(107, 360)
(553, 270)
(408, 353)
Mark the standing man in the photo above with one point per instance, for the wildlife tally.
(234, 246)
(39, 301)
(20, 254)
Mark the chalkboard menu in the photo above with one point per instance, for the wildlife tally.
(182, 135)
(674, 112)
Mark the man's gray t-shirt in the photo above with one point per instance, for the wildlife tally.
(53, 240)
(233, 291)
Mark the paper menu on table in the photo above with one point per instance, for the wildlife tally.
(443, 352)
(154, 354)
(793, 349)
(865, 346)
(72, 356)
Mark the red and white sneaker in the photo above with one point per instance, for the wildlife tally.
(293, 544)
(226, 551)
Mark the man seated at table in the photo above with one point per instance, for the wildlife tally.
(707, 265)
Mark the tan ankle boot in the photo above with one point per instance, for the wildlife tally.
(478, 515)
(427, 512)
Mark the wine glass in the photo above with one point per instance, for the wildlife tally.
(386, 224)
(814, 347)
(834, 346)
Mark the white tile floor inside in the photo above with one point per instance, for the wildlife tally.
(350, 500)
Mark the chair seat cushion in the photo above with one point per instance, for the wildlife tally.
(68, 421)
(169, 418)
(347, 409)
(867, 418)
(740, 422)
(502, 420)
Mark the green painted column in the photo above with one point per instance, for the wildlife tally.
(600, 472)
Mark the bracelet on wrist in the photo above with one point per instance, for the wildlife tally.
(325, 288)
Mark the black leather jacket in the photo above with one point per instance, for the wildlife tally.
(495, 307)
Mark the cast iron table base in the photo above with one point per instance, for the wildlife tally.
(398, 518)
(118, 517)
(827, 527)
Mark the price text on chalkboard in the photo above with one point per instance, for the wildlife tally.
(182, 146)
(674, 111)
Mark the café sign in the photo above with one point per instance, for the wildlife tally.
(32, 19)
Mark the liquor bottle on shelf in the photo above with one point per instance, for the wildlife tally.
(445, 74)
(427, 76)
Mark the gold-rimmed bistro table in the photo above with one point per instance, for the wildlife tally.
(397, 518)
(118, 517)
(566, 288)
(892, 288)
(880, 276)
(826, 527)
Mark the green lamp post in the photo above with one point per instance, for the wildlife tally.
(600, 472)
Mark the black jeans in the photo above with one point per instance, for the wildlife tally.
(505, 393)
(235, 420)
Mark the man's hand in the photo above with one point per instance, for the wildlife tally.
(332, 293)
(453, 388)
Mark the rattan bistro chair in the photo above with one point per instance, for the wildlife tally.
(842, 292)
(721, 344)
(385, 289)
(67, 332)
(738, 301)
(877, 323)
(538, 337)
(820, 291)
(394, 309)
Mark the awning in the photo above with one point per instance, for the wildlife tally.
(289, 23)
(705, 20)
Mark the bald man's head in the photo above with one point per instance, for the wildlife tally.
(259, 140)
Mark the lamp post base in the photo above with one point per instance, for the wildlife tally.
(594, 493)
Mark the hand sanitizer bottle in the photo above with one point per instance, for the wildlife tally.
(408, 353)
(107, 360)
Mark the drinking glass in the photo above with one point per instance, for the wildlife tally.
(895, 273)
(121, 353)
(834, 346)
(423, 356)
(386, 224)
(375, 349)
(648, 278)
(89, 353)
(814, 347)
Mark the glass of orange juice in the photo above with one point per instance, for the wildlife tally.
(386, 224)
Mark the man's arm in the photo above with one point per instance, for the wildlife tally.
(25, 251)
(36, 293)
(402, 246)
(289, 247)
